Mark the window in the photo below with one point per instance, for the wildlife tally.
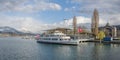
(54, 39)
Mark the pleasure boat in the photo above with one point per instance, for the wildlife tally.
(57, 38)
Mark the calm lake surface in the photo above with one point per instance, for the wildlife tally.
(20, 49)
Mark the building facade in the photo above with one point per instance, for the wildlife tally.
(110, 31)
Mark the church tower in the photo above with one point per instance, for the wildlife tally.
(74, 25)
(95, 23)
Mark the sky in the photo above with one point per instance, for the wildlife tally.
(38, 15)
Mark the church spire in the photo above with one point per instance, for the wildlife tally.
(108, 24)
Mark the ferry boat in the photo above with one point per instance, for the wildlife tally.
(58, 38)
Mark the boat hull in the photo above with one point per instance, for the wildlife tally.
(71, 42)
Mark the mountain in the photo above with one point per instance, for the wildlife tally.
(10, 30)
(7, 29)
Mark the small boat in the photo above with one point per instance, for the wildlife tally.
(58, 38)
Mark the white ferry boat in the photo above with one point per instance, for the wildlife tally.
(58, 38)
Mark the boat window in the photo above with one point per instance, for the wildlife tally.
(54, 39)
(41, 39)
(61, 39)
(51, 35)
(47, 36)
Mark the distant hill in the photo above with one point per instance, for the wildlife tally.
(10, 30)
(7, 29)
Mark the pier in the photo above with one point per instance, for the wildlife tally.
(98, 41)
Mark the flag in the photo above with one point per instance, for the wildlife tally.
(80, 30)
(37, 37)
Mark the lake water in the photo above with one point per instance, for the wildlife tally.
(20, 49)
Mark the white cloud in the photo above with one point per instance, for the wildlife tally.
(109, 10)
(81, 20)
(111, 5)
(22, 23)
(30, 24)
(28, 5)
(66, 9)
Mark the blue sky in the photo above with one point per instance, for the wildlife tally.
(52, 14)
(36, 15)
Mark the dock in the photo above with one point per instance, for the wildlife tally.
(98, 41)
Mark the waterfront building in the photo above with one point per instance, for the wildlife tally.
(110, 31)
(114, 32)
(63, 30)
